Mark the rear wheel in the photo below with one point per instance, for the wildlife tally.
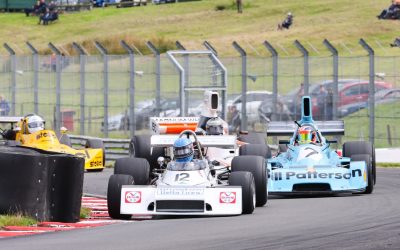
(138, 168)
(114, 195)
(256, 166)
(255, 149)
(367, 159)
(246, 181)
(253, 138)
(140, 147)
(361, 147)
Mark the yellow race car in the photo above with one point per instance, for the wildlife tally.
(29, 132)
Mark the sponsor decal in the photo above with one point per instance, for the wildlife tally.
(181, 191)
(278, 176)
(96, 163)
(133, 197)
(227, 197)
(45, 135)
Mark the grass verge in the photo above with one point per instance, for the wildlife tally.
(16, 220)
(388, 164)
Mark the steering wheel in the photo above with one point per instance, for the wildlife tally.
(189, 133)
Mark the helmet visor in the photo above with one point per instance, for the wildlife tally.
(183, 152)
(37, 124)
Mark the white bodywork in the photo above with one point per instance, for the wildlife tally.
(182, 193)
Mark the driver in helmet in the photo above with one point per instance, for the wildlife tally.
(32, 123)
(215, 126)
(183, 153)
(306, 134)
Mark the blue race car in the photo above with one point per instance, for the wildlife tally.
(306, 164)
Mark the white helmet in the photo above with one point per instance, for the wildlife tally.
(35, 123)
(289, 13)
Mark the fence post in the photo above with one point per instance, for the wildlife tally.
(132, 118)
(104, 52)
(243, 55)
(371, 102)
(13, 76)
(35, 59)
(156, 53)
(82, 61)
(57, 116)
(186, 66)
(210, 48)
(274, 54)
(335, 58)
(305, 53)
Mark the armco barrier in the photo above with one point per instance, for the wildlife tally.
(45, 186)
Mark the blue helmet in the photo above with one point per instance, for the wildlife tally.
(183, 150)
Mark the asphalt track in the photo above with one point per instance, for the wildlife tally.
(339, 222)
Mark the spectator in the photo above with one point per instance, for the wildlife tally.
(234, 119)
(53, 15)
(321, 98)
(34, 10)
(396, 42)
(329, 105)
(287, 22)
(4, 106)
(44, 16)
(393, 12)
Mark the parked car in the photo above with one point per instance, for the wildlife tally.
(131, 3)
(350, 91)
(163, 1)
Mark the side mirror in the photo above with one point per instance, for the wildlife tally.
(63, 130)
(332, 141)
(17, 129)
(161, 161)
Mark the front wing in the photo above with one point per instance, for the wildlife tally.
(170, 200)
(303, 180)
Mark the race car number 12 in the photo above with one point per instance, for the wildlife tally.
(181, 177)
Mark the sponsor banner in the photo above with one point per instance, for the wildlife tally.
(310, 175)
(171, 191)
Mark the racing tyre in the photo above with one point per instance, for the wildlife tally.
(246, 181)
(114, 195)
(255, 165)
(253, 138)
(361, 147)
(255, 149)
(138, 168)
(368, 162)
(141, 148)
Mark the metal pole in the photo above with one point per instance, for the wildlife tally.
(132, 118)
(13, 76)
(35, 59)
(156, 53)
(243, 55)
(186, 67)
(57, 123)
(82, 61)
(371, 102)
(104, 52)
(274, 54)
(305, 53)
(210, 47)
(335, 58)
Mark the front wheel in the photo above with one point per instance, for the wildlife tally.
(246, 181)
(114, 195)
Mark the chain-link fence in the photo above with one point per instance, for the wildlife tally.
(114, 95)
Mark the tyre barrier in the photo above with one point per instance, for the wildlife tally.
(45, 186)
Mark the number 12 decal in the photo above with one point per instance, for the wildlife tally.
(182, 177)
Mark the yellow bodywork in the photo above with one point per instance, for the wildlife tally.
(47, 140)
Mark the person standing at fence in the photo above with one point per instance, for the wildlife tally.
(4, 106)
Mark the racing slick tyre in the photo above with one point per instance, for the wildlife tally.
(140, 147)
(255, 165)
(114, 195)
(138, 168)
(96, 143)
(256, 149)
(370, 177)
(361, 147)
(253, 138)
(246, 181)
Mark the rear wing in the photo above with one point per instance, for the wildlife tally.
(286, 128)
(172, 125)
(10, 119)
(226, 141)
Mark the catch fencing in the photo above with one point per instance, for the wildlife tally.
(113, 96)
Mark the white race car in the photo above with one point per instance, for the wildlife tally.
(211, 187)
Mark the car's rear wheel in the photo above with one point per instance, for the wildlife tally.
(253, 138)
(138, 168)
(115, 184)
(140, 147)
(256, 166)
(246, 181)
(255, 149)
(361, 147)
(370, 178)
